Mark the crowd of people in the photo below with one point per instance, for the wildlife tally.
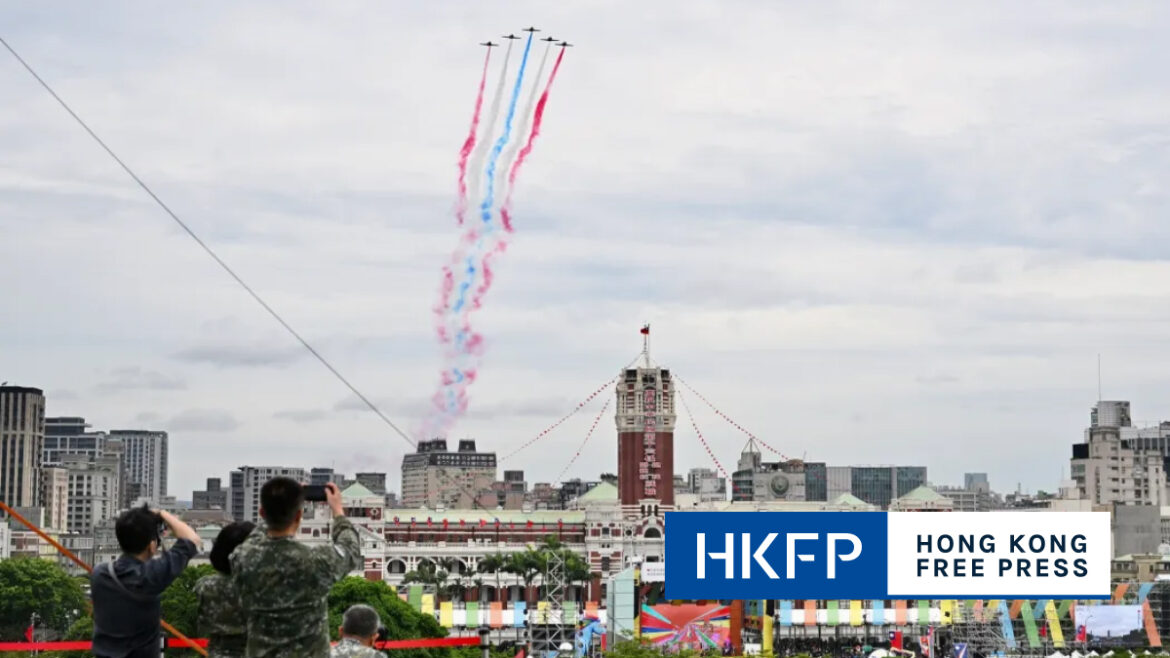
(267, 598)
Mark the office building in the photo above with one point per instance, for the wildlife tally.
(22, 435)
(1108, 470)
(755, 479)
(1110, 413)
(708, 485)
(94, 491)
(816, 481)
(71, 436)
(976, 482)
(56, 497)
(645, 425)
(876, 485)
(375, 482)
(432, 475)
(145, 461)
(246, 483)
(213, 497)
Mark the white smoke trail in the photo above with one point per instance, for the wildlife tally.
(509, 155)
(479, 155)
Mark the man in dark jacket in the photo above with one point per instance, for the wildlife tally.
(127, 593)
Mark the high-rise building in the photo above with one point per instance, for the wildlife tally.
(214, 496)
(432, 475)
(708, 485)
(56, 496)
(248, 480)
(816, 481)
(71, 436)
(145, 460)
(1107, 469)
(94, 490)
(1110, 413)
(236, 495)
(22, 435)
(375, 482)
(320, 475)
(645, 426)
(976, 482)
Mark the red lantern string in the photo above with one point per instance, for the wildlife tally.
(552, 427)
(702, 440)
(728, 419)
(582, 446)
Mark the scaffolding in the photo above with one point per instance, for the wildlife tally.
(551, 629)
(981, 630)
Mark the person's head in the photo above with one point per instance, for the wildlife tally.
(361, 623)
(281, 499)
(138, 532)
(226, 541)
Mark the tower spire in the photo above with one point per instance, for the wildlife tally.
(646, 343)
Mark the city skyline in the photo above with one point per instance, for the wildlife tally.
(913, 258)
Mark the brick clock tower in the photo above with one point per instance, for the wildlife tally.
(645, 424)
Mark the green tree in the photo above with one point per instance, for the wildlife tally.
(402, 622)
(493, 564)
(634, 649)
(180, 604)
(34, 586)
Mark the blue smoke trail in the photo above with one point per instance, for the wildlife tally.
(485, 208)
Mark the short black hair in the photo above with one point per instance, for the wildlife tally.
(136, 529)
(280, 500)
(360, 621)
(226, 541)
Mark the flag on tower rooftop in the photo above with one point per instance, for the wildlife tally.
(646, 329)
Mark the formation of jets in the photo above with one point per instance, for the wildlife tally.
(550, 40)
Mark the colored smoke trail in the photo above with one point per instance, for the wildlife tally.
(479, 155)
(525, 121)
(468, 275)
(506, 208)
(485, 208)
(469, 143)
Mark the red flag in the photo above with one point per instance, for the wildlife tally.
(1044, 630)
(646, 330)
(444, 524)
(1082, 634)
(482, 522)
(460, 521)
(530, 524)
(896, 639)
(28, 634)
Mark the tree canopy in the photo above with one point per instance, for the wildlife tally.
(33, 585)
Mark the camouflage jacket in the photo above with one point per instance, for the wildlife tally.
(284, 586)
(351, 648)
(220, 617)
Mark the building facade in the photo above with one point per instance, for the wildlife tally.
(213, 497)
(56, 497)
(145, 460)
(433, 476)
(22, 436)
(1108, 470)
(375, 482)
(247, 482)
(71, 436)
(708, 485)
(94, 491)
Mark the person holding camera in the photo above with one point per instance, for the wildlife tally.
(126, 593)
(284, 584)
(360, 630)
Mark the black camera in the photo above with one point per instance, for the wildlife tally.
(383, 634)
(315, 493)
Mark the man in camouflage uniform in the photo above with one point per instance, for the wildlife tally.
(221, 619)
(359, 630)
(283, 584)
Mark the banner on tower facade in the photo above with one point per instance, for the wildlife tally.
(884, 555)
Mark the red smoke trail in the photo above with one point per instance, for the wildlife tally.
(469, 143)
(505, 209)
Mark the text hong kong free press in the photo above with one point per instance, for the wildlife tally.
(878, 555)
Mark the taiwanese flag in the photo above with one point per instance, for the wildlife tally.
(429, 521)
(924, 644)
(482, 522)
(1044, 630)
(530, 524)
(461, 522)
(28, 633)
(396, 520)
(896, 640)
(1082, 633)
(645, 330)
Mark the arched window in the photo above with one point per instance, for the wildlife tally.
(653, 533)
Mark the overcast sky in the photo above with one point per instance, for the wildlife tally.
(870, 232)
